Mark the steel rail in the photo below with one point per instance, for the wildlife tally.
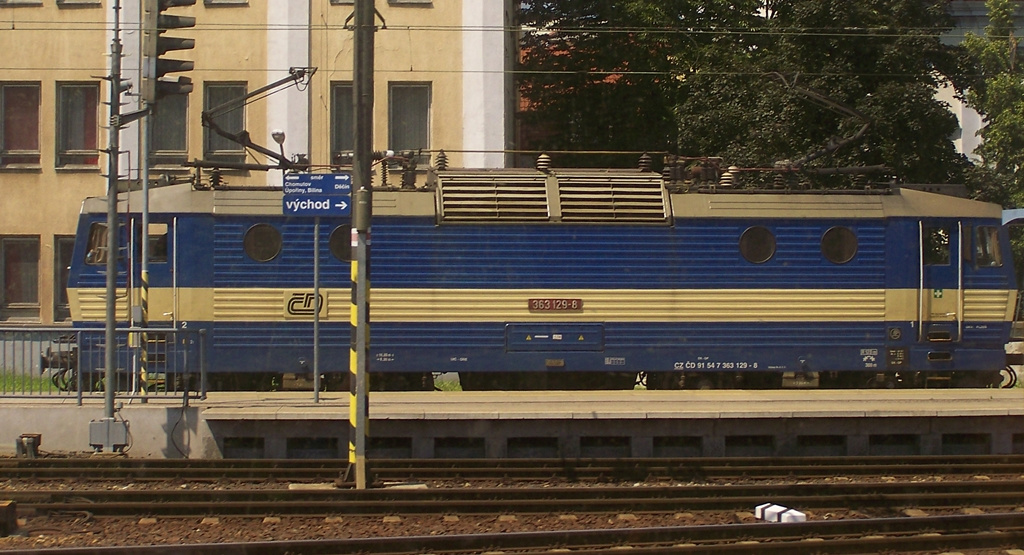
(890, 535)
(871, 496)
(511, 469)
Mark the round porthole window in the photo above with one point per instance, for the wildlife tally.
(757, 244)
(341, 243)
(262, 242)
(839, 245)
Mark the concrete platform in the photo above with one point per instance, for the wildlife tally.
(543, 424)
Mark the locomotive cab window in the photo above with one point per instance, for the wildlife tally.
(757, 244)
(262, 242)
(935, 245)
(96, 249)
(157, 242)
(986, 247)
(839, 245)
(341, 243)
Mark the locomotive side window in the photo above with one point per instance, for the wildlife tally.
(96, 250)
(158, 242)
(935, 245)
(839, 245)
(967, 254)
(262, 242)
(757, 244)
(986, 247)
(341, 243)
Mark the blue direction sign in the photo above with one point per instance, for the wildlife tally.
(317, 194)
(317, 205)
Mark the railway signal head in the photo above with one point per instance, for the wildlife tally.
(155, 84)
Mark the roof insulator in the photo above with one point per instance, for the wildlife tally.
(728, 178)
(645, 162)
(544, 163)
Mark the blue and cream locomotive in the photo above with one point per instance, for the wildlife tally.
(527, 279)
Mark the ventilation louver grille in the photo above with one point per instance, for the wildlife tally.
(493, 197)
(618, 198)
(528, 196)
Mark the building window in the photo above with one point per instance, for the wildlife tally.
(342, 123)
(215, 147)
(20, 259)
(19, 138)
(77, 105)
(63, 246)
(409, 118)
(168, 131)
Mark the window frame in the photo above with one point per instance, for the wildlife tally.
(96, 244)
(394, 143)
(839, 244)
(993, 257)
(63, 255)
(21, 308)
(210, 139)
(87, 156)
(19, 156)
(177, 121)
(937, 250)
(340, 243)
(750, 244)
(260, 239)
(338, 152)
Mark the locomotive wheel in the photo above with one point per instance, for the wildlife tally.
(664, 380)
(64, 379)
(402, 381)
(1008, 377)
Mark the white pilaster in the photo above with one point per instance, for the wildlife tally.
(483, 83)
(287, 46)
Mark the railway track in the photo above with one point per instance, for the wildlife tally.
(929, 495)
(888, 535)
(871, 498)
(703, 469)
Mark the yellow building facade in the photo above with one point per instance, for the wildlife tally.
(442, 81)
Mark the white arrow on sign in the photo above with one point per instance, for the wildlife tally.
(341, 205)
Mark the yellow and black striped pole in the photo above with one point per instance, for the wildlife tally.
(362, 202)
(358, 384)
(144, 347)
(144, 251)
(353, 357)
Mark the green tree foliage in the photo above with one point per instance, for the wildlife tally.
(703, 79)
(591, 83)
(998, 95)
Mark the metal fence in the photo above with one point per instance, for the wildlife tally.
(65, 362)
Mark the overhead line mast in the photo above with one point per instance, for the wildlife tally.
(362, 199)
